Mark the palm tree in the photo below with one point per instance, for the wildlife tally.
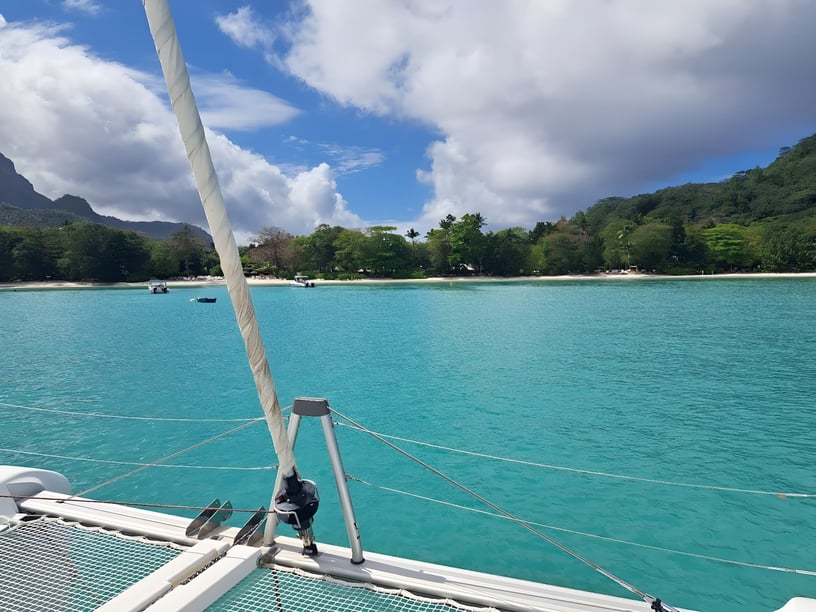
(412, 234)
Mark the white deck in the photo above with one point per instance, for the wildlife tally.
(448, 582)
(163, 589)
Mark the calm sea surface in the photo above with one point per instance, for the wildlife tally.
(711, 382)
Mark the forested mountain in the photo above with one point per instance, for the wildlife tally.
(22, 206)
(763, 219)
(784, 191)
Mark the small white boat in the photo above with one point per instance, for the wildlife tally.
(157, 286)
(301, 281)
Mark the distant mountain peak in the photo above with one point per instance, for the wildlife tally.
(17, 191)
(6, 165)
(74, 204)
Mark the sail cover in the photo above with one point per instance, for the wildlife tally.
(174, 68)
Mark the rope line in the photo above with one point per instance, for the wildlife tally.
(620, 581)
(673, 483)
(120, 416)
(562, 468)
(133, 463)
(74, 499)
(168, 457)
(804, 572)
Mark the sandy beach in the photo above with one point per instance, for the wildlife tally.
(272, 282)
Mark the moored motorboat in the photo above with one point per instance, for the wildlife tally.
(301, 281)
(204, 300)
(157, 286)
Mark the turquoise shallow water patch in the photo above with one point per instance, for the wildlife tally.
(696, 381)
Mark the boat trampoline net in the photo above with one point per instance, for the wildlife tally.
(294, 590)
(50, 564)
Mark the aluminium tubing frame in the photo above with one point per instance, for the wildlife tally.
(301, 407)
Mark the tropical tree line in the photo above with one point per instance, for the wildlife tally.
(461, 247)
(80, 251)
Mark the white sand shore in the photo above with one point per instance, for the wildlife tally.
(271, 282)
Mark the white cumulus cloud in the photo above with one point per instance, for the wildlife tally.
(543, 107)
(243, 28)
(75, 123)
(88, 7)
(229, 105)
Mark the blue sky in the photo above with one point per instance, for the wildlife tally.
(401, 111)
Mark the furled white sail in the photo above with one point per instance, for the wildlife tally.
(163, 30)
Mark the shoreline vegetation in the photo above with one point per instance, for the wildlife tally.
(762, 219)
(281, 282)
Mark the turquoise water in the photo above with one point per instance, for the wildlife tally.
(698, 381)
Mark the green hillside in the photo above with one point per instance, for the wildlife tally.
(35, 217)
(784, 191)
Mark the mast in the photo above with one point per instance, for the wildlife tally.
(163, 30)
